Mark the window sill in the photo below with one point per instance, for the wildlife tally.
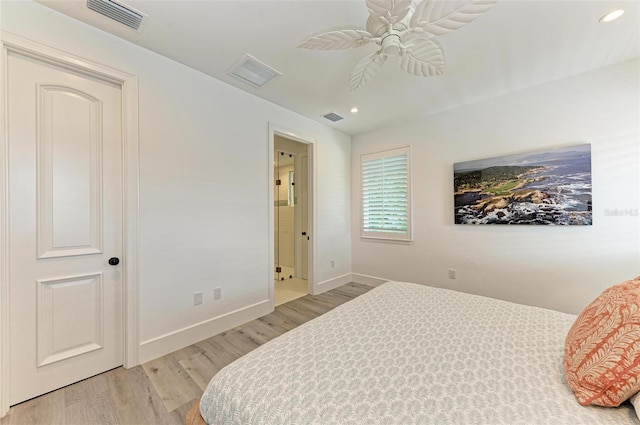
(381, 239)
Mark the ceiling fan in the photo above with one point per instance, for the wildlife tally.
(405, 28)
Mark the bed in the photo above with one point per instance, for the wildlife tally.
(405, 354)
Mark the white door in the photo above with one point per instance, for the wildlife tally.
(303, 199)
(65, 214)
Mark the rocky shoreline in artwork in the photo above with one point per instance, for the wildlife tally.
(511, 195)
(500, 202)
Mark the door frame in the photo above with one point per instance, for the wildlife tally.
(276, 129)
(13, 44)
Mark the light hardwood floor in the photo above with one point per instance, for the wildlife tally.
(161, 391)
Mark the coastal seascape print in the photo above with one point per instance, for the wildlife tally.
(545, 187)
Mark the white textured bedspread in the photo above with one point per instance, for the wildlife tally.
(409, 354)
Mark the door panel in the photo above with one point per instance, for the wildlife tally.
(84, 293)
(69, 172)
(65, 214)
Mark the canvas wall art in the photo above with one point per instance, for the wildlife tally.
(550, 187)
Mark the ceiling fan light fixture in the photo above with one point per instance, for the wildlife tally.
(612, 16)
(401, 28)
(391, 44)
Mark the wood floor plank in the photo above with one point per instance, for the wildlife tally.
(180, 413)
(236, 342)
(186, 352)
(89, 402)
(160, 392)
(173, 384)
(313, 305)
(277, 319)
(136, 401)
(200, 369)
(352, 289)
(295, 314)
(123, 395)
(44, 410)
(333, 299)
(270, 327)
(259, 332)
(217, 353)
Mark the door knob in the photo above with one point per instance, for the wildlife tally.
(304, 233)
(114, 261)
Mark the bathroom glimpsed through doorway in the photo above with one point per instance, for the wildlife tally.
(291, 236)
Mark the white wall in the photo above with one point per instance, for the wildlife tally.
(557, 267)
(203, 185)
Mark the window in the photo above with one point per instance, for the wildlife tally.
(386, 194)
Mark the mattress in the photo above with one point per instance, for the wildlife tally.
(409, 354)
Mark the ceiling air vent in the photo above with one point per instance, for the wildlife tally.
(332, 116)
(118, 12)
(252, 71)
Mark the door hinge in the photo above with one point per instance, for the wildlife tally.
(278, 182)
(278, 269)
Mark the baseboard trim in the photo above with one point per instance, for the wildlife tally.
(330, 284)
(160, 346)
(367, 280)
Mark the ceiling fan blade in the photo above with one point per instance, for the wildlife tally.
(337, 40)
(438, 17)
(375, 25)
(366, 69)
(423, 58)
(390, 11)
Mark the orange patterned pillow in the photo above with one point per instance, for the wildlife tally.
(602, 349)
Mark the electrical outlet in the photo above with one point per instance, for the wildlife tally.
(452, 274)
(217, 293)
(197, 298)
(333, 263)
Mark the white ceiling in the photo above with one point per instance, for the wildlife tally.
(517, 44)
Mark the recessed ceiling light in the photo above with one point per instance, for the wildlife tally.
(611, 16)
(354, 110)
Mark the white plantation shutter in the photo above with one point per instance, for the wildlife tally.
(386, 194)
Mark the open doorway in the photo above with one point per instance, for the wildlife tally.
(291, 219)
